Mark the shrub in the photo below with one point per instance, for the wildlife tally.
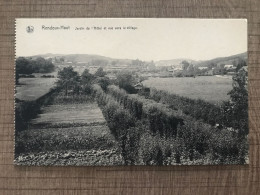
(121, 123)
(198, 109)
(165, 136)
(228, 148)
(160, 118)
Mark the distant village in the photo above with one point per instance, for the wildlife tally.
(148, 69)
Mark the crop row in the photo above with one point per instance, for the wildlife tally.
(161, 119)
(179, 138)
(197, 108)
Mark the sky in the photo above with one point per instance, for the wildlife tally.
(143, 38)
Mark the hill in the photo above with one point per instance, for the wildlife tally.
(85, 58)
(98, 60)
(223, 60)
(220, 60)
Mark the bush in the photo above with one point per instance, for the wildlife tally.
(228, 148)
(166, 137)
(195, 136)
(121, 124)
(160, 118)
(198, 109)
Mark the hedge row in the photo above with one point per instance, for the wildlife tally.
(161, 119)
(197, 139)
(198, 109)
(26, 110)
(121, 124)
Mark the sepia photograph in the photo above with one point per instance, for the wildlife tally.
(131, 91)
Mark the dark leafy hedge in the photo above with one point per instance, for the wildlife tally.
(161, 119)
(199, 109)
(193, 139)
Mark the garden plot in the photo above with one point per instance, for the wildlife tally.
(68, 134)
(70, 114)
(87, 145)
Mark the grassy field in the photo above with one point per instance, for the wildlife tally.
(209, 88)
(32, 88)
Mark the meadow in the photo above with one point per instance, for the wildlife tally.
(209, 88)
(30, 89)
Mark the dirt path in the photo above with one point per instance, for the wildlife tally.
(69, 134)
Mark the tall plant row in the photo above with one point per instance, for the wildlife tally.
(178, 137)
(161, 119)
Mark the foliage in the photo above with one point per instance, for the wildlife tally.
(160, 119)
(29, 66)
(126, 80)
(193, 139)
(237, 109)
(87, 78)
(100, 72)
(121, 123)
(199, 109)
(68, 80)
(104, 82)
(239, 64)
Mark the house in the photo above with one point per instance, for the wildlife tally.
(203, 68)
(138, 86)
(229, 67)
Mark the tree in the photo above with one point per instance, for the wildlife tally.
(29, 66)
(190, 70)
(103, 82)
(23, 66)
(87, 78)
(241, 63)
(126, 80)
(211, 65)
(237, 108)
(62, 60)
(185, 64)
(100, 72)
(137, 62)
(68, 79)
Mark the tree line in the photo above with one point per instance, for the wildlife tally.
(29, 66)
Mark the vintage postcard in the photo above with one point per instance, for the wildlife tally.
(131, 91)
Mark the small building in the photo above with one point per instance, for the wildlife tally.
(138, 86)
(229, 66)
(203, 68)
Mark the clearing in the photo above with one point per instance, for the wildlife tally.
(30, 89)
(209, 88)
